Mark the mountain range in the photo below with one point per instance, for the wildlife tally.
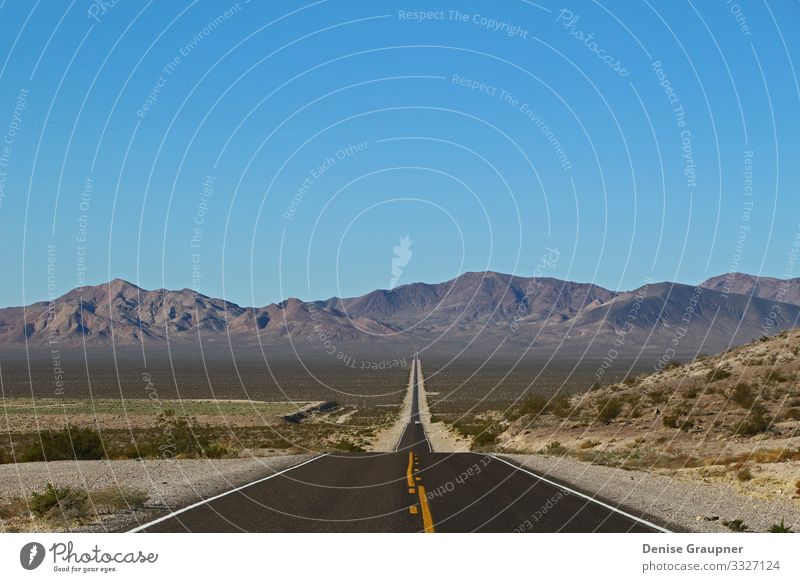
(484, 308)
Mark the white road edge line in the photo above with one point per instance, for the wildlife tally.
(579, 494)
(210, 499)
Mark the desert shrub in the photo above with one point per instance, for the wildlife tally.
(348, 445)
(754, 362)
(736, 525)
(608, 409)
(588, 444)
(65, 502)
(744, 474)
(673, 420)
(67, 444)
(673, 364)
(792, 414)
(717, 374)
(555, 448)
(670, 420)
(486, 438)
(560, 406)
(779, 528)
(595, 386)
(532, 405)
(218, 450)
(775, 376)
(657, 396)
(742, 394)
(630, 381)
(691, 392)
(754, 423)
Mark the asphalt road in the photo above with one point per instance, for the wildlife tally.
(410, 490)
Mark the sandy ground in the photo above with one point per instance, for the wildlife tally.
(170, 484)
(442, 438)
(694, 505)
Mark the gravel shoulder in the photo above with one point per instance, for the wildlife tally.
(386, 440)
(683, 506)
(169, 484)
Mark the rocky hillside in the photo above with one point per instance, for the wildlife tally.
(732, 418)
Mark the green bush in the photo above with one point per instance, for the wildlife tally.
(670, 420)
(775, 376)
(717, 374)
(531, 405)
(691, 392)
(780, 528)
(742, 394)
(736, 525)
(555, 448)
(560, 406)
(65, 445)
(65, 502)
(754, 423)
(608, 409)
(793, 414)
(348, 445)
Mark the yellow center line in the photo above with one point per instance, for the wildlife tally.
(409, 472)
(427, 519)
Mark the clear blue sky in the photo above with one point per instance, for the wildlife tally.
(565, 141)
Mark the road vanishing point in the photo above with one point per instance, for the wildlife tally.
(413, 489)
